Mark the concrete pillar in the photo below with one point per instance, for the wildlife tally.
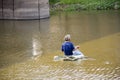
(1, 9)
(8, 9)
(24, 9)
(44, 8)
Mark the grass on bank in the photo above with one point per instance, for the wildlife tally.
(76, 5)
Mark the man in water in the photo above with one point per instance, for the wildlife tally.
(68, 47)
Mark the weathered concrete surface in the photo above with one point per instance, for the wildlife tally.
(0, 9)
(24, 9)
(8, 9)
(44, 8)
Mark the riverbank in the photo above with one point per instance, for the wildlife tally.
(78, 5)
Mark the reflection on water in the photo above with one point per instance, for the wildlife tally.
(27, 48)
(20, 40)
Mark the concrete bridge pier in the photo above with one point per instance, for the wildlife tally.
(24, 9)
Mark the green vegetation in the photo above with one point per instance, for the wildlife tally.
(53, 1)
(77, 5)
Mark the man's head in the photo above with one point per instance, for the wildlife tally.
(67, 37)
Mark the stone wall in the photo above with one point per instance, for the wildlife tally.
(24, 9)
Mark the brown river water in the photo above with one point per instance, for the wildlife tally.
(27, 47)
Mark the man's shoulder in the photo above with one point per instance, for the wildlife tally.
(67, 42)
(70, 42)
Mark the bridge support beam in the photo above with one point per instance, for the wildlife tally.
(24, 9)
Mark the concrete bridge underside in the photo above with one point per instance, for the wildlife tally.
(24, 9)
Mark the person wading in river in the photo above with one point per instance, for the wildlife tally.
(69, 49)
(67, 46)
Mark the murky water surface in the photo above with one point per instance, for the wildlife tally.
(27, 48)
